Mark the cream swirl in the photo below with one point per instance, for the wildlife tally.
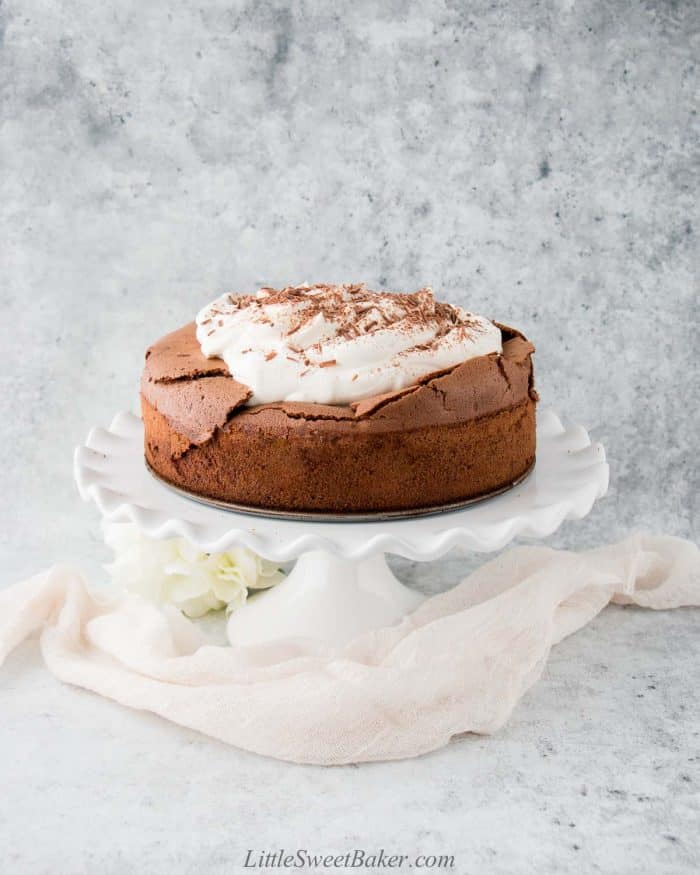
(338, 344)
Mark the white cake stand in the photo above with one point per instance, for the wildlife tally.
(341, 585)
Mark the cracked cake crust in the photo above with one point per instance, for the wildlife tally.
(453, 435)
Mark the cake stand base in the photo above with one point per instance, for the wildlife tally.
(327, 599)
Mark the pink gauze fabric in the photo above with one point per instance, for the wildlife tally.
(459, 663)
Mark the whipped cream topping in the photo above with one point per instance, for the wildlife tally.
(338, 344)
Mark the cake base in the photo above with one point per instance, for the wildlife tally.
(268, 458)
(332, 517)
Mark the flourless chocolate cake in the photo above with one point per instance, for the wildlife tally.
(338, 399)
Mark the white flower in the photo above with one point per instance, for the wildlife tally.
(173, 571)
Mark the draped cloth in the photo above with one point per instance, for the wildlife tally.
(459, 663)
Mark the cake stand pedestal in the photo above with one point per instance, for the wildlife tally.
(341, 586)
(327, 599)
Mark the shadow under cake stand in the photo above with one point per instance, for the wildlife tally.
(340, 586)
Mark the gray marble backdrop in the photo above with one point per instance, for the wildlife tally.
(536, 162)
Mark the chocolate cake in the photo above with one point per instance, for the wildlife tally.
(339, 399)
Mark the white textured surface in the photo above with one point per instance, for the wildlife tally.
(570, 474)
(534, 162)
